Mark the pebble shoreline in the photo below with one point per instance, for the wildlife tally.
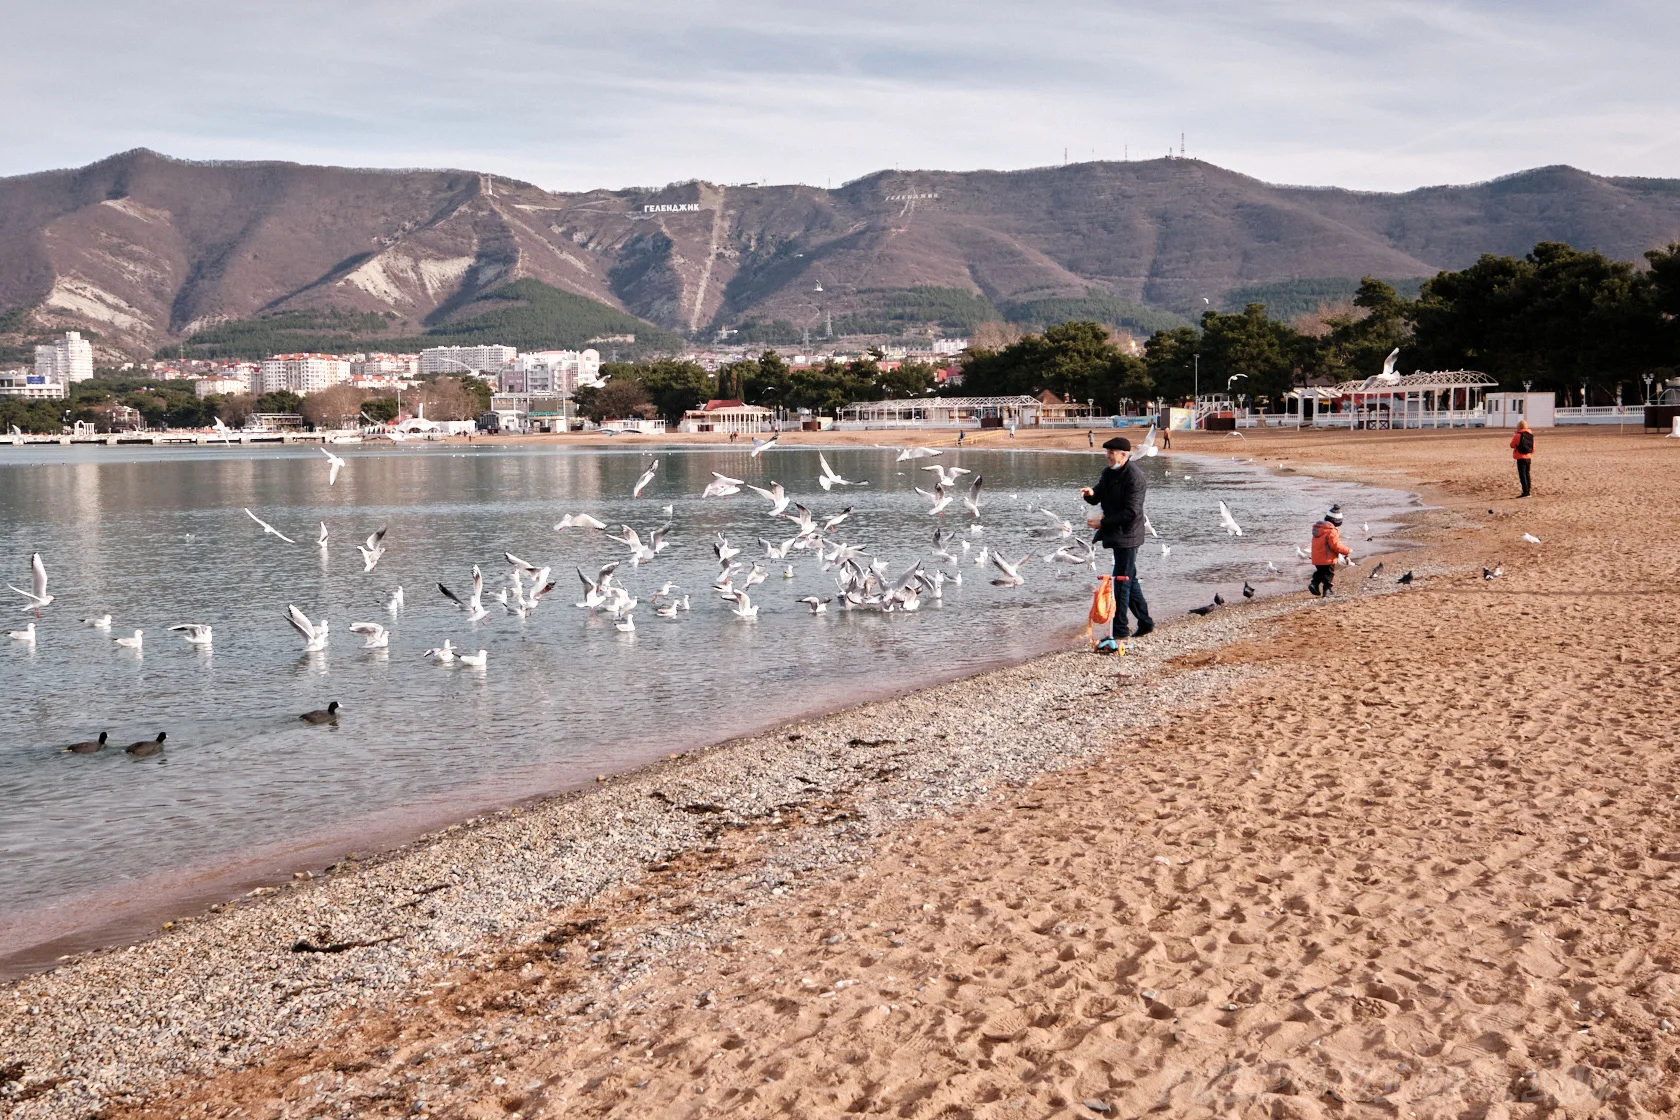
(220, 990)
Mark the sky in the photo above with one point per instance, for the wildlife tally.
(1368, 94)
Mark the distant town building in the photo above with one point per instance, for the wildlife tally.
(948, 346)
(22, 384)
(465, 359)
(301, 373)
(551, 372)
(65, 360)
(363, 366)
(219, 387)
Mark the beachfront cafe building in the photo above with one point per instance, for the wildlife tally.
(729, 416)
(1439, 399)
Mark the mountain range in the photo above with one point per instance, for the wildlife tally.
(145, 251)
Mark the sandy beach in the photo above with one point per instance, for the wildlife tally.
(1405, 852)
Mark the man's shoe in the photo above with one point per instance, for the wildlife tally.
(1144, 627)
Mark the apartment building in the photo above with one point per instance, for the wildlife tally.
(65, 360)
(551, 372)
(465, 359)
(301, 373)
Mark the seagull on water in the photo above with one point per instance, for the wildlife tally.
(474, 606)
(818, 606)
(267, 528)
(743, 606)
(395, 602)
(37, 597)
(336, 464)
(641, 483)
(372, 550)
(196, 634)
(443, 654)
(972, 502)
(98, 622)
(322, 538)
(26, 635)
(377, 636)
(133, 643)
(626, 622)
(581, 521)
(314, 637)
(1166, 550)
(476, 660)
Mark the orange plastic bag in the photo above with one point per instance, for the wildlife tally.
(1102, 608)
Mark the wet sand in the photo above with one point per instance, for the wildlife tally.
(1408, 851)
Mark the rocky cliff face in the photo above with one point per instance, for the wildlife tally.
(145, 250)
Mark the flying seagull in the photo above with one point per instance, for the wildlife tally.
(721, 486)
(322, 539)
(1011, 572)
(818, 606)
(830, 478)
(641, 483)
(373, 550)
(972, 502)
(948, 475)
(267, 528)
(1228, 523)
(37, 597)
(760, 446)
(582, 520)
(777, 498)
(336, 465)
(917, 453)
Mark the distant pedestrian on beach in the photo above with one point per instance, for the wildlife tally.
(1090, 438)
(1166, 439)
(1121, 492)
(960, 436)
(1522, 450)
(1326, 546)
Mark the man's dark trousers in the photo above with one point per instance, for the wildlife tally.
(1127, 594)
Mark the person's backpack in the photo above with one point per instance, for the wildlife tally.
(1102, 608)
(1525, 443)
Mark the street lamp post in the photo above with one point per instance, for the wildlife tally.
(1648, 379)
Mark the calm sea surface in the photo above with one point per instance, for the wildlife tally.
(156, 537)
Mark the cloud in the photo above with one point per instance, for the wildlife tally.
(1388, 94)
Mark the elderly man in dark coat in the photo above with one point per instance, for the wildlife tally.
(1120, 492)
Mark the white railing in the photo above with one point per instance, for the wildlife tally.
(1600, 414)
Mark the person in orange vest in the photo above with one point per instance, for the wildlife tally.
(1522, 450)
(1326, 546)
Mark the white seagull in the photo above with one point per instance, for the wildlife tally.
(760, 446)
(744, 607)
(948, 475)
(1011, 573)
(722, 486)
(133, 643)
(972, 502)
(1148, 448)
(474, 606)
(443, 654)
(1228, 523)
(777, 498)
(267, 528)
(26, 635)
(829, 479)
(195, 633)
(322, 539)
(98, 622)
(579, 521)
(641, 483)
(373, 550)
(1529, 537)
(336, 465)
(626, 622)
(940, 498)
(916, 453)
(314, 637)
(377, 636)
(37, 597)
(476, 660)
(395, 602)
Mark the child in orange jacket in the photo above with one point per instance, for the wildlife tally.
(1326, 546)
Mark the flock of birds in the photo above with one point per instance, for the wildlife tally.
(861, 579)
